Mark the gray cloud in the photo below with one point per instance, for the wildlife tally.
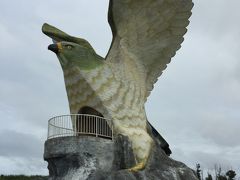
(14, 144)
(19, 165)
(21, 153)
(195, 104)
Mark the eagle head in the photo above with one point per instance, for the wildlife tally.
(72, 51)
(71, 54)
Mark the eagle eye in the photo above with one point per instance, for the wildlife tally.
(69, 47)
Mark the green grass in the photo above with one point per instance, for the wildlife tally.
(22, 177)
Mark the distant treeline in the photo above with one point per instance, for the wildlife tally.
(22, 177)
(218, 174)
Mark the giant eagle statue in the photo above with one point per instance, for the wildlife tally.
(146, 35)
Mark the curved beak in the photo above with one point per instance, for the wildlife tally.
(54, 48)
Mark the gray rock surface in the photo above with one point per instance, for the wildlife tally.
(91, 158)
(73, 157)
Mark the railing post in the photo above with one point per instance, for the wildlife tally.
(75, 126)
(112, 130)
(96, 126)
(48, 129)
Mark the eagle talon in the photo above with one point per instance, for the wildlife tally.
(138, 167)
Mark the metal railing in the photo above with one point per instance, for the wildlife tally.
(79, 125)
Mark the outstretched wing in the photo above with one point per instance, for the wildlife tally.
(146, 35)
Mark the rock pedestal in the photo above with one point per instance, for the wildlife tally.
(92, 158)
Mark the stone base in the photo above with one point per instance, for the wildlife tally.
(73, 157)
(91, 158)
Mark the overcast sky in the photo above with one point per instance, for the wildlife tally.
(195, 104)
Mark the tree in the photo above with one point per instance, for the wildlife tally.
(222, 177)
(209, 177)
(231, 174)
(218, 173)
(198, 171)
